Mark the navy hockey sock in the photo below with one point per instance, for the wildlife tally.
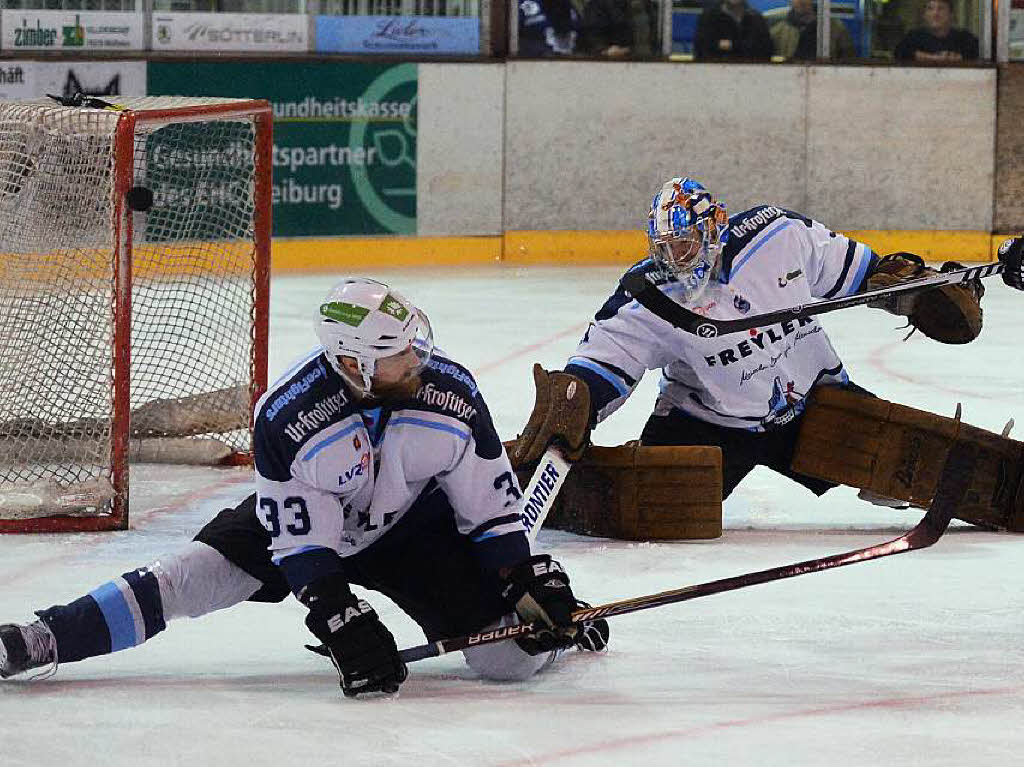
(121, 613)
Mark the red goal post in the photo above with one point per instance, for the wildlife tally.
(134, 286)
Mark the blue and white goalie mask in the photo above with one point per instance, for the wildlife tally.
(687, 229)
(376, 326)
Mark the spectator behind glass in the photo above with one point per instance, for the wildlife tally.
(937, 40)
(617, 28)
(547, 28)
(796, 36)
(731, 29)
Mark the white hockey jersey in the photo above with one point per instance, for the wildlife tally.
(330, 475)
(754, 380)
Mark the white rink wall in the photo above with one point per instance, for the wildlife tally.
(580, 145)
(898, 148)
(588, 143)
(459, 149)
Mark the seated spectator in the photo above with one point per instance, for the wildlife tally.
(796, 36)
(731, 29)
(937, 40)
(548, 28)
(618, 28)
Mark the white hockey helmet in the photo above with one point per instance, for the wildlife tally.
(687, 229)
(368, 321)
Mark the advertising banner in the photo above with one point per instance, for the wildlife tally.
(18, 80)
(397, 34)
(32, 79)
(230, 32)
(344, 138)
(72, 30)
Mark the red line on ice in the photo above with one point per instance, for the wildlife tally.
(755, 721)
(83, 540)
(524, 350)
(882, 353)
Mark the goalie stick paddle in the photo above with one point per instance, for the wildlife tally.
(953, 484)
(646, 292)
(540, 492)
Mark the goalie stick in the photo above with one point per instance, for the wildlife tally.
(540, 492)
(640, 287)
(953, 483)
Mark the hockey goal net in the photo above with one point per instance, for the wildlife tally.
(134, 269)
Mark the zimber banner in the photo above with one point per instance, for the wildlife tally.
(72, 30)
(344, 138)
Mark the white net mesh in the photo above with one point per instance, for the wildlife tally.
(193, 258)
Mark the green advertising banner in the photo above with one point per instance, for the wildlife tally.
(344, 138)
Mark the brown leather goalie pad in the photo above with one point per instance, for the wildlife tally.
(897, 451)
(641, 493)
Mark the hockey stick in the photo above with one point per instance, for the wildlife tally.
(538, 498)
(640, 287)
(952, 487)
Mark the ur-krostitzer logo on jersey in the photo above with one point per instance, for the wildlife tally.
(307, 422)
(446, 400)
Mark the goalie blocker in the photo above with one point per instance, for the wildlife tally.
(898, 452)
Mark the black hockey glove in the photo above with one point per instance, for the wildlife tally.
(539, 590)
(1011, 253)
(360, 646)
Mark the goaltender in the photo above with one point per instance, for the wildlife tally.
(776, 396)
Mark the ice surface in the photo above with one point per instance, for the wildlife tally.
(915, 659)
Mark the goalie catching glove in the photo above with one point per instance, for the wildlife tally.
(1011, 253)
(360, 646)
(561, 416)
(950, 314)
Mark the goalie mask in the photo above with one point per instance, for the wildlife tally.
(687, 229)
(377, 327)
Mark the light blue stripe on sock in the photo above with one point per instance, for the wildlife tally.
(117, 615)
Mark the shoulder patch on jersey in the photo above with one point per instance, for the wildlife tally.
(449, 389)
(442, 399)
(298, 408)
(620, 297)
(446, 388)
(439, 369)
(644, 266)
(745, 226)
(293, 387)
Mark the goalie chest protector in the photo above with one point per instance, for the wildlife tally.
(642, 493)
(898, 452)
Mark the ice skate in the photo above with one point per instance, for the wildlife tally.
(23, 648)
